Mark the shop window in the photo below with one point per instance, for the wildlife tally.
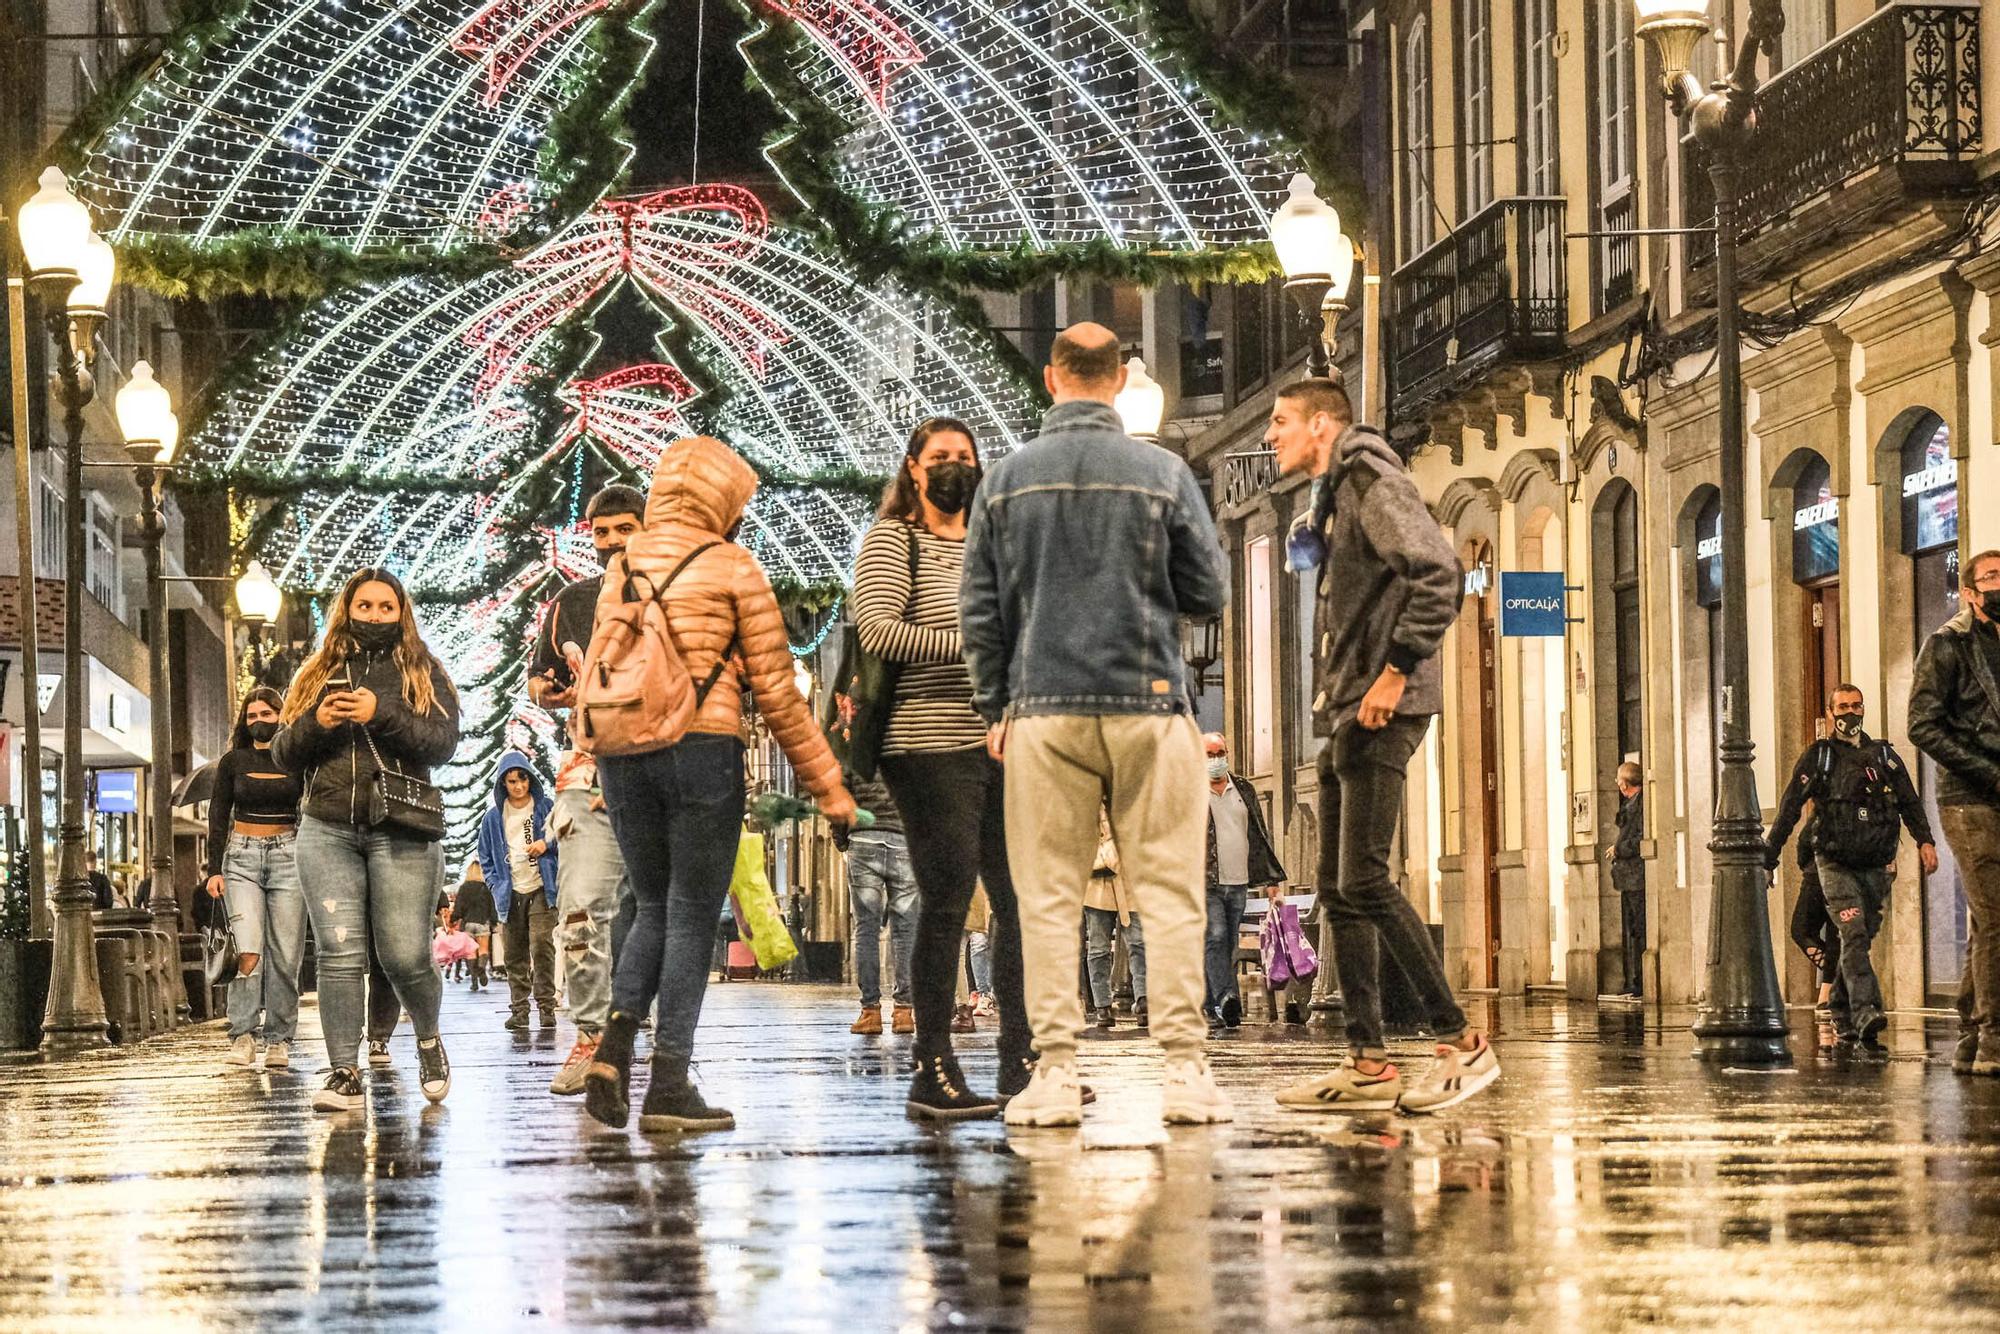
(1930, 488)
(1201, 344)
(1261, 660)
(1302, 710)
(1626, 626)
(1708, 603)
(1815, 524)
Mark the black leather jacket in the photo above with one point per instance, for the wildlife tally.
(337, 764)
(1955, 712)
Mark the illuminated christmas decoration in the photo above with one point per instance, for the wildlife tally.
(989, 125)
(365, 122)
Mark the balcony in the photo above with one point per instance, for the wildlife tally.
(1493, 291)
(1886, 114)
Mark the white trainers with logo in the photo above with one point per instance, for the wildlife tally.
(1347, 1089)
(243, 1051)
(1189, 1096)
(1455, 1076)
(278, 1056)
(1053, 1097)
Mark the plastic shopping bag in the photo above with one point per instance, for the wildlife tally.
(757, 914)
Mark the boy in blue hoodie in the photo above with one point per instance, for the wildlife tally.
(514, 852)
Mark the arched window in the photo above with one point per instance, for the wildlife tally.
(1418, 208)
(1626, 619)
(1815, 524)
(1930, 487)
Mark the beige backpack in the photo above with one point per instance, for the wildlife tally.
(635, 693)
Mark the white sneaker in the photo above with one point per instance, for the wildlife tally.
(278, 1056)
(1347, 1089)
(1189, 1096)
(1455, 1076)
(1053, 1097)
(243, 1051)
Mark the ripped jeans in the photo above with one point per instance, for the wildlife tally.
(591, 890)
(360, 884)
(267, 916)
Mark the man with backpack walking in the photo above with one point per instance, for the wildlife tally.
(1860, 790)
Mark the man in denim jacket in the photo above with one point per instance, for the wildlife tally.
(1085, 549)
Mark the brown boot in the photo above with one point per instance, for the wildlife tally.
(962, 1021)
(904, 1020)
(869, 1025)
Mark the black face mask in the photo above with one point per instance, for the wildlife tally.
(376, 636)
(1847, 724)
(263, 731)
(604, 554)
(949, 486)
(1989, 602)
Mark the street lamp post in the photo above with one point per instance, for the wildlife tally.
(1142, 404)
(1318, 260)
(1743, 1018)
(152, 434)
(258, 603)
(55, 232)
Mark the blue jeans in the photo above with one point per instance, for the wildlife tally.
(879, 882)
(1098, 924)
(364, 885)
(979, 957)
(267, 915)
(678, 813)
(1225, 924)
(590, 887)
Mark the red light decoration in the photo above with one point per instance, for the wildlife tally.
(505, 36)
(873, 46)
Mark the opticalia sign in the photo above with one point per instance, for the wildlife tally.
(1533, 603)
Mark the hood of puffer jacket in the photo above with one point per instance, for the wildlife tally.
(700, 483)
(1358, 440)
(509, 761)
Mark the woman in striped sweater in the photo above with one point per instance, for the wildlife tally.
(934, 759)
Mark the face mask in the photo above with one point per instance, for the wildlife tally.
(1847, 724)
(376, 636)
(1218, 767)
(949, 486)
(1989, 602)
(263, 731)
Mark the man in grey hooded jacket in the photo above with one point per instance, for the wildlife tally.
(1389, 589)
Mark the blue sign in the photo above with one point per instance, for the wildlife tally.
(118, 791)
(1533, 602)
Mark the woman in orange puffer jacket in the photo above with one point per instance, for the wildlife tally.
(678, 811)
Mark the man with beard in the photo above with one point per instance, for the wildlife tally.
(593, 894)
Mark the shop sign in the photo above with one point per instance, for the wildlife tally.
(1533, 603)
(1825, 510)
(118, 791)
(1477, 580)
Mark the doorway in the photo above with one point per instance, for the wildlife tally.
(1479, 593)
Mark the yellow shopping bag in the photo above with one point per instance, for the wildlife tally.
(757, 916)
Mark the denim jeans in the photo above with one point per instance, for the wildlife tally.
(267, 915)
(590, 885)
(955, 820)
(1854, 899)
(370, 884)
(880, 882)
(1225, 925)
(1360, 804)
(1098, 925)
(678, 814)
(979, 960)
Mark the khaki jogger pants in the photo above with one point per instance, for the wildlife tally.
(1150, 769)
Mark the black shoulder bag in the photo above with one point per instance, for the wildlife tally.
(403, 801)
(864, 694)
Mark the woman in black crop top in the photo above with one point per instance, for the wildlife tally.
(251, 820)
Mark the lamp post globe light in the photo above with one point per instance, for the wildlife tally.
(1318, 261)
(1142, 404)
(1742, 1019)
(55, 234)
(259, 602)
(145, 412)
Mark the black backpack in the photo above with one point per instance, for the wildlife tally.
(1862, 825)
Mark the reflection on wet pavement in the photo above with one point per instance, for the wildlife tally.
(1608, 1180)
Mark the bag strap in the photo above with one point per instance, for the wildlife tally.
(686, 561)
(715, 672)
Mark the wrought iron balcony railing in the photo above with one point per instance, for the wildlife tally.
(1900, 89)
(1493, 290)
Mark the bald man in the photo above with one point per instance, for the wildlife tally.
(1084, 550)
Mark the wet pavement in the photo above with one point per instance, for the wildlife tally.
(1608, 1181)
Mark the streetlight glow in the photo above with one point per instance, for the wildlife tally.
(1305, 231)
(97, 266)
(1142, 403)
(258, 597)
(146, 419)
(54, 228)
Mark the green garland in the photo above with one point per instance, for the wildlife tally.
(284, 265)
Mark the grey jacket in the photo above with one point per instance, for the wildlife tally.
(1389, 587)
(1085, 549)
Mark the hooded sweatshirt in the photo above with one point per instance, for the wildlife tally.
(496, 859)
(1389, 587)
(721, 605)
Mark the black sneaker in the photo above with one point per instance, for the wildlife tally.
(517, 1023)
(1232, 1011)
(607, 1083)
(1139, 1015)
(1965, 1053)
(341, 1092)
(1295, 1013)
(1104, 1018)
(939, 1093)
(1871, 1028)
(676, 1104)
(1016, 1071)
(548, 1019)
(378, 1053)
(433, 1070)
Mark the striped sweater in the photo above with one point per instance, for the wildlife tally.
(934, 692)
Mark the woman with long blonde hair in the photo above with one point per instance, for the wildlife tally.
(367, 716)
